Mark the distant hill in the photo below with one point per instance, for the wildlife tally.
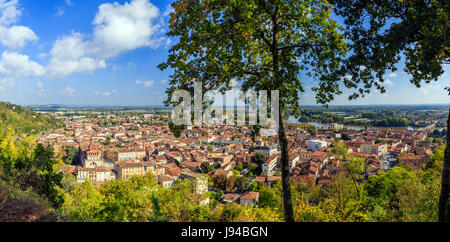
(23, 120)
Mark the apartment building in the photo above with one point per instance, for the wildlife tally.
(126, 169)
(374, 149)
(316, 145)
(269, 165)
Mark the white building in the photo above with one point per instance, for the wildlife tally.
(270, 164)
(316, 145)
(268, 151)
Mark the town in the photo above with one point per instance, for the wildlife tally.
(101, 147)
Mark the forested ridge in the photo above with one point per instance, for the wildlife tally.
(23, 120)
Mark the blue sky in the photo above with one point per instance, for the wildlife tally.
(106, 53)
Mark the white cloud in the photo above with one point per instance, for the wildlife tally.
(69, 56)
(68, 91)
(117, 29)
(388, 82)
(16, 65)
(106, 94)
(6, 83)
(59, 11)
(145, 83)
(148, 83)
(392, 75)
(43, 55)
(40, 85)
(120, 28)
(69, 2)
(9, 12)
(348, 77)
(164, 81)
(15, 36)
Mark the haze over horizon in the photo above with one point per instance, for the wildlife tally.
(106, 53)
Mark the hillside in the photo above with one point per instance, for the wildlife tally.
(20, 206)
(22, 120)
(29, 182)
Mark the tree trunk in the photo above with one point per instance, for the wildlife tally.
(285, 176)
(444, 214)
(284, 161)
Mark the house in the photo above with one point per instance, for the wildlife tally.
(293, 160)
(166, 181)
(273, 179)
(230, 197)
(124, 154)
(374, 149)
(250, 198)
(220, 158)
(225, 173)
(316, 145)
(200, 181)
(415, 161)
(260, 179)
(268, 151)
(335, 126)
(98, 174)
(127, 169)
(270, 164)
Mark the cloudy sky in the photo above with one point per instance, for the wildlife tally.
(106, 52)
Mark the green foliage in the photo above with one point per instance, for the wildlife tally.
(216, 197)
(23, 205)
(237, 213)
(71, 152)
(177, 130)
(382, 32)
(205, 167)
(391, 122)
(224, 183)
(242, 183)
(24, 121)
(340, 150)
(258, 158)
(268, 198)
(23, 163)
(238, 166)
(312, 131)
(29, 165)
(254, 169)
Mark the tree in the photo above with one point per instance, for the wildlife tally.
(177, 130)
(71, 152)
(223, 182)
(444, 205)
(238, 166)
(264, 45)
(205, 167)
(267, 198)
(380, 34)
(242, 183)
(216, 197)
(340, 150)
(258, 158)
